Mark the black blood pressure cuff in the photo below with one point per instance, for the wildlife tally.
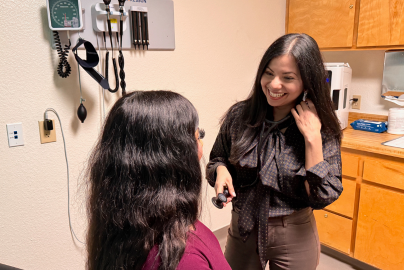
(91, 61)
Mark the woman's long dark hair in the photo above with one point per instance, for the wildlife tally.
(254, 109)
(144, 182)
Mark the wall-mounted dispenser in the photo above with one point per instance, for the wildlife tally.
(393, 79)
(339, 79)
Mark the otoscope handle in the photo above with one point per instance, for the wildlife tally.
(220, 199)
(110, 35)
(106, 65)
(116, 77)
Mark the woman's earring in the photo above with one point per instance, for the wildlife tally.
(201, 133)
(304, 95)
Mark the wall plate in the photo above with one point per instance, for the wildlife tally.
(357, 104)
(15, 134)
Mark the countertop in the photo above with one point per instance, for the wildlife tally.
(369, 141)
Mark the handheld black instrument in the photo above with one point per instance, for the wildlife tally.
(108, 10)
(220, 199)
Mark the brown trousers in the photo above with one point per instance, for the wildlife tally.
(293, 244)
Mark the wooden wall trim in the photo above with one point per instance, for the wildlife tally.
(356, 206)
(366, 116)
(356, 25)
(287, 17)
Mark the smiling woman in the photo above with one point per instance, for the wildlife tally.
(280, 153)
(282, 84)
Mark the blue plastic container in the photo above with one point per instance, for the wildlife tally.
(367, 125)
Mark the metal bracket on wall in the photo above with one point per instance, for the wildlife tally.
(160, 25)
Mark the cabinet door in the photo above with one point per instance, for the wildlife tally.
(329, 22)
(388, 173)
(350, 165)
(381, 23)
(380, 229)
(333, 230)
(344, 205)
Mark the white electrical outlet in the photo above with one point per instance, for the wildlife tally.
(15, 134)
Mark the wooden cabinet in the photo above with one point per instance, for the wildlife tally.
(380, 229)
(335, 222)
(384, 172)
(348, 24)
(350, 165)
(381, 23)
(350, 171)
(329, 22)
(345, 203)
(334, 230)
(367, 220)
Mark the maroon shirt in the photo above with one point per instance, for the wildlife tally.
(202, 252)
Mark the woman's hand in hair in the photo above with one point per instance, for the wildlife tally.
(307, 120)
(223, 179)
(309, 125)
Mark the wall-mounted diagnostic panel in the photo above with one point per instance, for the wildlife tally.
(111, 26)
(147, 24)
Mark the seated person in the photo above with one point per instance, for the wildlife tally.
(145, 188)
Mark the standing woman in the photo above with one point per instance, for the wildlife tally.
(280, 153)
(145, 186)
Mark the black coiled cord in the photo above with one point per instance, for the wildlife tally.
(121, 63)
(64, 68)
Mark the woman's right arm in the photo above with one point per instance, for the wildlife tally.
(217, 172)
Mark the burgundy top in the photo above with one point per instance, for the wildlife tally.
(202, 252)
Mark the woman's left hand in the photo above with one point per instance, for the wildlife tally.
(307, 119)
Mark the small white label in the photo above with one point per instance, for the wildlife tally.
(138, 8)
(372, 122)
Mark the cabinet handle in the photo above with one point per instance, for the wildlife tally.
(325, 215)
(351, 6)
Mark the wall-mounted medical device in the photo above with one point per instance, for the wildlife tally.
(140, 27)
(339, 79)
(109, 25)
(99, 13)
(64, 15)
(155, 26)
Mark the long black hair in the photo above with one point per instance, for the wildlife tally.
(144, 182)
(253, 111)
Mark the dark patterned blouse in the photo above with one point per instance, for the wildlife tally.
(281, 190)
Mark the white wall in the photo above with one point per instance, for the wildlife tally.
(367, 76)
(218, 47)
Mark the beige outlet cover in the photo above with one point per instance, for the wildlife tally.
(45, 135)
(356, 105)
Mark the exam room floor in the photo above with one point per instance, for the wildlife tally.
(330, 261)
